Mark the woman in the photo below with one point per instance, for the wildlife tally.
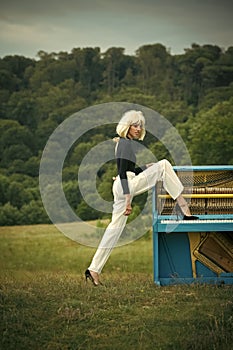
(131, 182)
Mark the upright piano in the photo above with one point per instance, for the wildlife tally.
(199, 250)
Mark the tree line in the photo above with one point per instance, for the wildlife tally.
(193, 90)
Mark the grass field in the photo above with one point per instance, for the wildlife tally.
(45, 302)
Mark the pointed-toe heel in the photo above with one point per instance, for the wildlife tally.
(89, 276)
(190, 217)
(180, 215)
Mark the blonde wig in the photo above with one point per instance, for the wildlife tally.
(129, 118)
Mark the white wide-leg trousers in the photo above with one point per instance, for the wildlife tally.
(161, 171)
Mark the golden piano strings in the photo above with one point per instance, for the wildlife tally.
(207, 193)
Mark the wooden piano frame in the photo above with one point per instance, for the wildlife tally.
(190, 252)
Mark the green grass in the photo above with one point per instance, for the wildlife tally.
(45, 302)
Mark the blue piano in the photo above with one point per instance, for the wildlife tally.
(200, 250)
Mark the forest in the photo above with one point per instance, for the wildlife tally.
(193, 90)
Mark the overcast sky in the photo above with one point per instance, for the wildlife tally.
(28, 26)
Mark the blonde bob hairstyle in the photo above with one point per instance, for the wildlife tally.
(129, 118)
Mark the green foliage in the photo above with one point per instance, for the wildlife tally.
(210, 135)
(192, 90)
(79, 152)
(4, 184)
(9, 215)
(105, 182)
(71, 191)
(33, 213)
(85, 212)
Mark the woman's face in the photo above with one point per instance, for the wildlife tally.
(135, 131)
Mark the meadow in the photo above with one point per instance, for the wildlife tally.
(45, 302)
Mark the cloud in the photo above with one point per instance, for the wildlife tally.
(53, 8)
(176, 11)
(58, 25)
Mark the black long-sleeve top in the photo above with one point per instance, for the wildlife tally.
(126, 160)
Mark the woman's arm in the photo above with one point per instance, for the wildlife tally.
(128, 208)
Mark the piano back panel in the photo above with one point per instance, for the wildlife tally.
(201, 182)
(205, 256)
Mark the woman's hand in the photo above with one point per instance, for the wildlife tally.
(128, 208)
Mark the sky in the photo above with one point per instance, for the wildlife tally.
(28, 26)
